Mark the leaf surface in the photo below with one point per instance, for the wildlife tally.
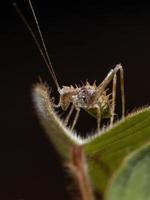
(133, 179)
(106, 150)
(61, 137)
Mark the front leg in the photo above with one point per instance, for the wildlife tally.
(76, 118)
(69, 115)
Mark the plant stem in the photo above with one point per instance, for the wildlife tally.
(78, 168)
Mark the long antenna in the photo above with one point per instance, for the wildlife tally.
(46, 56)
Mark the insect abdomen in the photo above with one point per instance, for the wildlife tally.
(103, 112)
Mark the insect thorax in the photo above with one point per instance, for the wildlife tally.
(87, 98)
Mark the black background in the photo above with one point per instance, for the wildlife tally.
(85, 40)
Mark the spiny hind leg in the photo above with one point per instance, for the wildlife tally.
(116, 69)
(122, 91)
(114, 75)
(76, 118)
(109, 78)
(113, 99)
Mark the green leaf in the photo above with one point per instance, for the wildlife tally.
(106, 151)
(61, 137)
(132, 181)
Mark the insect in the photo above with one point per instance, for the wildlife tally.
(94, 99)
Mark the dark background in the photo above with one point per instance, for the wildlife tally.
(85, 40)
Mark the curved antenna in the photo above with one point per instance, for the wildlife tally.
(46, 58)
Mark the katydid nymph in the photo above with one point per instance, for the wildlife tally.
(90, 97)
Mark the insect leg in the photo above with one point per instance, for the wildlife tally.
(113, 99)
(98, 122)
(76, 118)
(69, 114)
(98, 108)
(112, 76)
(119, 67)
(122, 91)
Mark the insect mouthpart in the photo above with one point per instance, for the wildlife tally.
(66, 94)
